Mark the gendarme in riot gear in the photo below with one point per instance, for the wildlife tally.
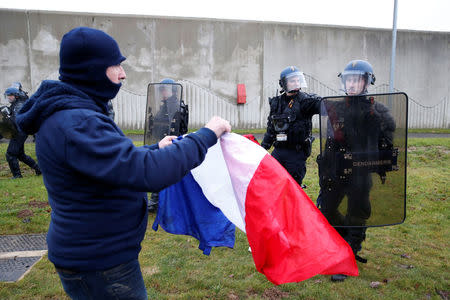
(357, 152)
(357, 71)
(289, 123)
(167, 114)
(16, 150)
(15, 96)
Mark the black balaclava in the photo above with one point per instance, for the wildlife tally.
(84, 56)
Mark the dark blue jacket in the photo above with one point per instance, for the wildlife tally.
(97, 180)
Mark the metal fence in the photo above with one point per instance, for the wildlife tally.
(422, 116)
(203, 104)
(129, 109)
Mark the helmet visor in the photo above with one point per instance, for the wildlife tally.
(166, 91)
(10, 98)
(295, 81)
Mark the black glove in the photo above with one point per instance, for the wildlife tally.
(307, 145)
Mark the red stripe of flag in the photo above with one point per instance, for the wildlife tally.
(290, 238)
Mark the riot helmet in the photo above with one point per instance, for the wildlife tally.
(168, 83)
(356, 77)
(12, 93)
(168, 80)
(16, 91)
(17, 85)
(292, 80)
(167, 88)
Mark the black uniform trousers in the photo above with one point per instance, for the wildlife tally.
(358, 208)
(16, 152)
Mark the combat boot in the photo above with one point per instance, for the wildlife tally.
(354, 237)
(37, 170)
(338, 277)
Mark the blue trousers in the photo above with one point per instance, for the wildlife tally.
(121, 282)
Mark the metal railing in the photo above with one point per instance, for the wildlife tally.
(423, 116)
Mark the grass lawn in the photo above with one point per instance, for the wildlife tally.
(409, 261)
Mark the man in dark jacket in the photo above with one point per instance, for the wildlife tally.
(96, 179)
(16, 149)
(289, 123)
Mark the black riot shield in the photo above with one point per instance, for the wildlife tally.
(7, 127)
(362, 161)
(164, 111)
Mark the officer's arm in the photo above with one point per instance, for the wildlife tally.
(269, 136)
(387, 128)
(387, 124)
(311, 104)
(15, 111)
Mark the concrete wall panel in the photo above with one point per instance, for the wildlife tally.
(14, 49)
(213, 56)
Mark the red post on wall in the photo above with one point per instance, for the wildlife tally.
(241, 94)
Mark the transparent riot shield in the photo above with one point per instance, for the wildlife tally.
(163, 111)
(362, 162)
(7, 127)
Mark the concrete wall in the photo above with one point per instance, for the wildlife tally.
(217, 55)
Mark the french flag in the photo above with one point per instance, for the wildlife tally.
(289, 237)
